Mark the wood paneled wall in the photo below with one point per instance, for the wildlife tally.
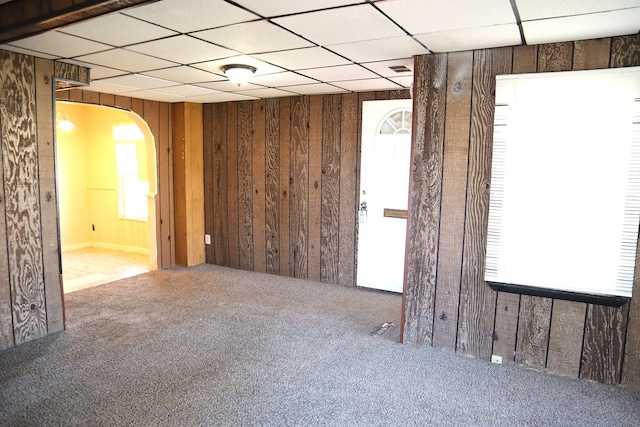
(446, 302)
(30, 293)
(158, 116)
(281, 184)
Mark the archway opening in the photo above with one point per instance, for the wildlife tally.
(106, 176)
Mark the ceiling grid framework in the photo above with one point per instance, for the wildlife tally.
(173, 50)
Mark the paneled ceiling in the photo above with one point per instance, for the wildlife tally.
(172, 50)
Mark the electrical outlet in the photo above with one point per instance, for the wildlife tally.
(496, 359)
(207, 239)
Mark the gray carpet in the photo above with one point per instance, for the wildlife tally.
(214, 346)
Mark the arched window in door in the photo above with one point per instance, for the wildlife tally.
(397, 122)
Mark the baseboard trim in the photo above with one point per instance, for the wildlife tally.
(109, 246)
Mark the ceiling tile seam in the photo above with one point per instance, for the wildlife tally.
(399, 26)
(269, 18)
(516, 13)
(551, 18)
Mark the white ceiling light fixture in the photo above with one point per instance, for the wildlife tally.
(238, 73)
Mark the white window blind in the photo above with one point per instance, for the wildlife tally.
(565, 182)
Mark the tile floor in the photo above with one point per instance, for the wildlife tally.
(88, 267)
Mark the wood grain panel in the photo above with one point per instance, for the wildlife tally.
(123, 102)
(625, 51)
(454, 191)
(245, 184)
(286, 266)
(259, 233)
(6, 312)
(89, 97)
(348, 194)
(477, 300)
(604, 333)
(210, 198)
(48, 197)
(164, 213)
(234, 173)
(565, 339)
(299, 192)
(505, 328)
(591, 54)
(272, 185)
(220, 230)
(555, 57)
(21, 191)
(330, 221)
(425, 196)
(180, 185)
(315, 186)
(533, 331)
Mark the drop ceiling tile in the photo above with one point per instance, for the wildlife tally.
(379, 50)
(582, 27)
(115, 29)
(99, 86)
(222, 97)
(126, 60)
(190, 16)
(137, 81)
(472, 38)
(315, 89)
(156, 96)
(312, 57)
(28, 52)
(98, 71)
(261, 67)
(429, 16)
(368, 84)
(253, 37)
(62, 45)
(287, 78)
(344, 25)
(405, 81)
(340, 73)
(270, 9)
(186, 90)
(541, 9)
(227, 86)
(268, 93)
(382, 67)
(184, 74)
(182, 49)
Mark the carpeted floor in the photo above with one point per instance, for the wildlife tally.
(214, 346)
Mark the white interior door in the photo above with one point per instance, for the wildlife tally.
(384, 191)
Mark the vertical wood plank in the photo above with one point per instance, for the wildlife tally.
(533, 331)
(477, 300)
(555, 57)
(89, 97)
(603, 348)
(625, 52)
(299, 192)
(210, 200)
(348, 194)
(220, 236)
(565, 339)
(123, 102)
(164, 214)
(591, 54)
(22, 203)
(245, 184)
(286, 266)
(272, 185)
(454, 190)
(505, 329)
(315, 186)
(179, 182)
(330, 220)
(259, 233)
(425, 196)
(63, 95)
(107, 99)
(232, 161)
(48, 197)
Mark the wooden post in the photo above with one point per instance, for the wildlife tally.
(188, 184)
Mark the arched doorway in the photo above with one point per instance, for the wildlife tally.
(107, 183)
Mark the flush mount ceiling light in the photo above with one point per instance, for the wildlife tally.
(238, 73)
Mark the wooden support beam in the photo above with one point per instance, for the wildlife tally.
(188, 184)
